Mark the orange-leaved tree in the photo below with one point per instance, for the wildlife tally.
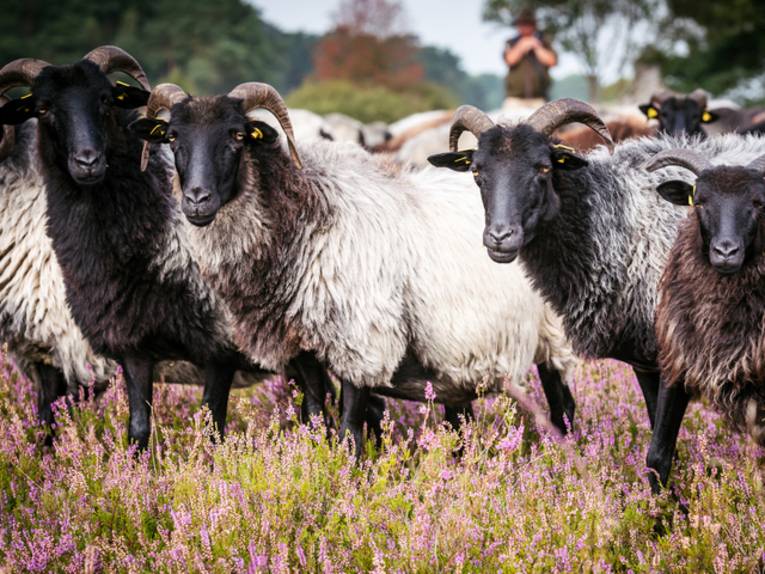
(369, 45)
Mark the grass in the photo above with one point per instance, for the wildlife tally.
(278, 496)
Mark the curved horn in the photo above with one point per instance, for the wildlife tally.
(258, 95)
(758, 164)
(468, 118)
(21, 72)
(555, 114)
(9, 135)
(699, 96)
(689, 159)
(111, 58)
(163, 97)
(658, 98)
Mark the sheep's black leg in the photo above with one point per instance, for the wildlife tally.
(51, 385)
(649, 383)
(452, 414)
(558, 395)
(313, 380)
(669, 417)
(218, 379)
(354, 411)
(138, 378)
(375, 411)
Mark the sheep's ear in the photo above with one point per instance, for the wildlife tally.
(129, 97)
(261, 132)
(649, 110)
(708, 117)
(18, 111)
(151, 130)
(677, 192)
(456, 160)
(564, 157)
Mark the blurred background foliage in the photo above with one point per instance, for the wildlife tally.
(719, 46)
(369, 66)
(360, 68)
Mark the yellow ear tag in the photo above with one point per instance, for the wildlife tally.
(25, 96)
(256, 134)
(651, 113)
(561, 160)
(690, 197)
(157, 130)
(121, 83)
(463, 159)
(121, 97)
(706, 117)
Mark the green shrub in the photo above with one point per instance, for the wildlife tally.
(369, 103)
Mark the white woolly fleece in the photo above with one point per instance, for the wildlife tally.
(399, 268)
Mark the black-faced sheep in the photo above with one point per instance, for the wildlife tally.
(710, 317)
(588, 228)
(377, 273)
(131, 284)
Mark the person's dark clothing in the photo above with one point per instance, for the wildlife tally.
(528, 78)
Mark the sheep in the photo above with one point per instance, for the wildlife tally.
(587, 228)
(584, 139)
(691, 114)
(340, 260)
(416, 150)
(710, 314)
(429, 120)
(679, 113)
(131, 284)
(35, 324)
(345, 128)
(310, 125)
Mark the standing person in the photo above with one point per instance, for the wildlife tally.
(529, 58)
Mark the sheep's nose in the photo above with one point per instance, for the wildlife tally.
(726, 249)
(499, 234)
(198, 195)
(87, 158)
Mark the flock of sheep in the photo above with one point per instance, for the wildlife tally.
(202, 242)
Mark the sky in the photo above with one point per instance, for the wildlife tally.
(453, 24)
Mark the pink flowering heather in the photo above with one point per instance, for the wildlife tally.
(278, 496)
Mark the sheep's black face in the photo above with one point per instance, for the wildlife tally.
(679, 116)
(75, 107)
(514, 168)
(729, 206)
(208, 137)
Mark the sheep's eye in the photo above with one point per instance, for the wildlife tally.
(237, 135)
(544, 169)
(42, 110)
(757, 203)
(171, 137)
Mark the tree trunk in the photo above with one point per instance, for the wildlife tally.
(592, 87)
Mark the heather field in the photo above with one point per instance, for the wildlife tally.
(279, 497)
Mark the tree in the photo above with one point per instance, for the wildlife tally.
(603, 34)
(725, 46)
(365, 48)
(207, 47)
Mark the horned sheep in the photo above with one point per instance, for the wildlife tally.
(131, 284)
(377, 273)
(588, 228)
(712, 306)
